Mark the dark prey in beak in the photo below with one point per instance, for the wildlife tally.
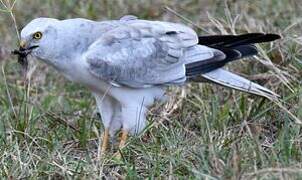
(22, 56)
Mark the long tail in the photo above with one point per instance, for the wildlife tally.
(229, 48)
(231, 80)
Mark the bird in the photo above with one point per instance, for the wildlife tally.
(128, 63)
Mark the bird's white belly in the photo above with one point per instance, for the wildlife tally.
(79, 73)
(132, 102)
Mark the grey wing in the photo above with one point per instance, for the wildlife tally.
(141, 53)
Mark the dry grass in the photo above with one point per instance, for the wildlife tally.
(49, 128)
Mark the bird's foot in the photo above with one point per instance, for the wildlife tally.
(122, 144)
(105, 141)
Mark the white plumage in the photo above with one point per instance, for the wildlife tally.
(127, 63)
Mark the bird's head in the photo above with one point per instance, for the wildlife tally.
(56, 42)
(39, 39)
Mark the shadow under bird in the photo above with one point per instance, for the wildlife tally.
(128, 63)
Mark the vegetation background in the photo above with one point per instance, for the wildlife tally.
(49, 127)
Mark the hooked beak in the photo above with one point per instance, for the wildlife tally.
(24, 48)
(23, 52)
(22, 44)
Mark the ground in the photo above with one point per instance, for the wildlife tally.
(49, 127)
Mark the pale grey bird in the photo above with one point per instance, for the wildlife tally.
(128, 63)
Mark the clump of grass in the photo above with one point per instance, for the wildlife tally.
(49, 128)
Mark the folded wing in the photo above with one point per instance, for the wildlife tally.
(142, 53)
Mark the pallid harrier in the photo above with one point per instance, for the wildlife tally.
(128, 63)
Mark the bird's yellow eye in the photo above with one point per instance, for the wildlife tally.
(37, 35)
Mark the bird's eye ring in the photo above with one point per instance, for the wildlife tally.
(37, 35)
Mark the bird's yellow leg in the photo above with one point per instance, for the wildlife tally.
(105, 140)
(123, 139)
(122, 143)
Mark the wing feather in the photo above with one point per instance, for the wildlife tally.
(141, 53)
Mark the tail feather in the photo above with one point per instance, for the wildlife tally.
(231, 80)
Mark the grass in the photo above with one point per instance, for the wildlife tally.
(49, 127)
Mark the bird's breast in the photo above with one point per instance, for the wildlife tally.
(77, 72)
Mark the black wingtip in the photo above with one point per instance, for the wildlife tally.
(232, 46)
(272, 37)
(254, 40)
(236, 40)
